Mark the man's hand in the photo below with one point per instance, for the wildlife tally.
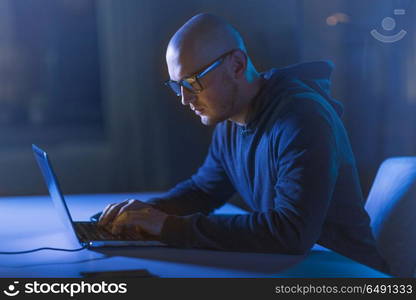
(133, 216)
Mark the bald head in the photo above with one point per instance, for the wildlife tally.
(226, 90)
(199, 41)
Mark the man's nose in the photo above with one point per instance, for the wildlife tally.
(187, 96)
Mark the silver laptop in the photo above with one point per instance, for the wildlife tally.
(84, 233)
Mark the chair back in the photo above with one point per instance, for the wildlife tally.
(391, 205)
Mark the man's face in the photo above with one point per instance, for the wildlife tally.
(215, 103)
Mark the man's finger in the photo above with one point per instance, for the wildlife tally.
(119, 223)
(133, 205)
(137, 232)
(104, 218)
(116, 229)
(104, 212)
(133, 231)
(110, 213)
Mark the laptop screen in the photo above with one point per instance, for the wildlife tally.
(54, 190)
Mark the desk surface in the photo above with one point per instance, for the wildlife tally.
(32, 222)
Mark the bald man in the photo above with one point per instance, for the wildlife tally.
(278, 142)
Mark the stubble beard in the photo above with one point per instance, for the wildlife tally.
(228, 109)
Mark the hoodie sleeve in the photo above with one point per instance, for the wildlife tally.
(205, 191)
(306, 159)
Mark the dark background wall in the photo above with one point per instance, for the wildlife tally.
(91, 91)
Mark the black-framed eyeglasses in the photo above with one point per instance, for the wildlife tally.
(192, 83)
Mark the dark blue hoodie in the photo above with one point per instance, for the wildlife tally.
(293, 166)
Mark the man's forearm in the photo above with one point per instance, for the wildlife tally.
(269, 231)
(186, 199)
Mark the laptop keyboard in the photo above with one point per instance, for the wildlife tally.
(89, 231)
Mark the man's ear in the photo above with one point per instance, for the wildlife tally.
(238, 63)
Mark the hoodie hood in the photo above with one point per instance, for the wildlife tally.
(294, 79)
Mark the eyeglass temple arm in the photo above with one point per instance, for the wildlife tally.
(210, 68)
